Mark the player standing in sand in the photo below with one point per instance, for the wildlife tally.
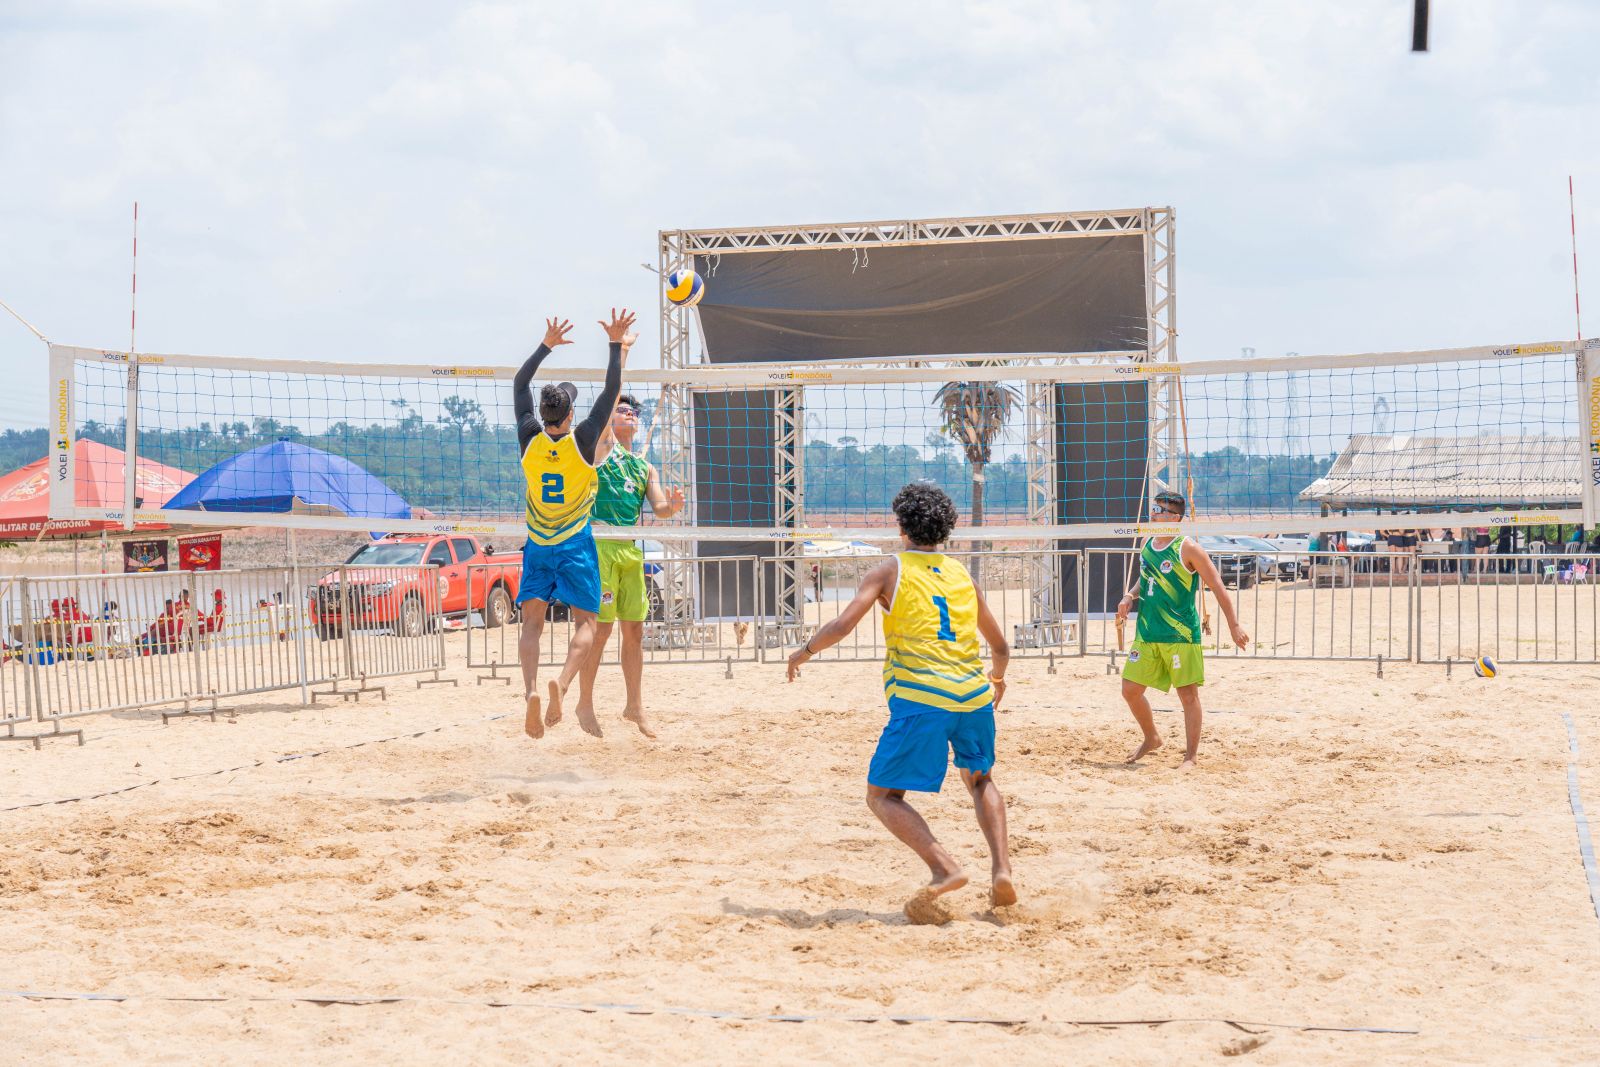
(940, 701)
(1166, 648)
(627, 480)
(559, 561)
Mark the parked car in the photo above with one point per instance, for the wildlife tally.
(1275, 564)
(1296, 544)
(1236, 564)
(406, 601)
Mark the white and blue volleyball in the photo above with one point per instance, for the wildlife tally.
(684, 288)
(1484, 667)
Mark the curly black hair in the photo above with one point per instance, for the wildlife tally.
(926, 513)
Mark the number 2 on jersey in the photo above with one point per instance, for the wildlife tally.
(552, 488)
(946, 632)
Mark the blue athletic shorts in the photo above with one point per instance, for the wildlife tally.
(914, 751)
(568, 572)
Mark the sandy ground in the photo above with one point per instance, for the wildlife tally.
(1356, 852)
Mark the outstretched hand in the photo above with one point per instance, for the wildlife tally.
(619, 327)
(800, 656)
(1240, 638)
(555, 332)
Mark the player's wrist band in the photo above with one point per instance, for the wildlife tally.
(808, 647)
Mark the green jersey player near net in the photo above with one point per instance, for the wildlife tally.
(627, 480)
(1166, 648)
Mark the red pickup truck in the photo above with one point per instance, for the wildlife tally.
(383, 593)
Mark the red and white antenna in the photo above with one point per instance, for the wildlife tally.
(1572, 214)
(133, 301)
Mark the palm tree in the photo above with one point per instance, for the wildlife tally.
(973, 415)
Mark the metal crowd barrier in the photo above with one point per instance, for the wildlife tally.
(1537, 608)
(727, 596)
(1304, 605)
(98, 644)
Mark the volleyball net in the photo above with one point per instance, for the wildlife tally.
(1494, 434)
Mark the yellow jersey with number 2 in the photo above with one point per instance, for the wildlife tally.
(931, 631)
(561, 488)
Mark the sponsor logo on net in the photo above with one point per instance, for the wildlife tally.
(1146, 531)
(800, 376)
(1148, 368)
(1530, 350)
(462, 372)
(124, 357)
(459, 527)
(63, 431)
(1532, 519)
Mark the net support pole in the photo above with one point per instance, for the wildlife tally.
(130, 446)
(788, 409)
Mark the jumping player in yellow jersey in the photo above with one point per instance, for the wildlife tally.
(940, 699)
(1166, 647)
(559, 561)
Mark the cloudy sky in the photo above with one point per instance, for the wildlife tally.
(425, 181)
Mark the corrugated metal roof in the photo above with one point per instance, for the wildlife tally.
(1401, 470)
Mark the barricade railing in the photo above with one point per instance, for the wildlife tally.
(727, 595)
(1009, 580)
(1294, 605)
(1535, 608)
(94, 644)
(380, 621)
(16, 677)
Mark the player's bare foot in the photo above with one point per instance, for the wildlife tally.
(587, 721)
(552, 713)
(1147, 746)
(533, 722)
(1188, 765)
(636, 716)
(924, 909)
(1002, 893)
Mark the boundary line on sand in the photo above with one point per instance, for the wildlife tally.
(252, 764)
(700, 1013)
(1585, 845)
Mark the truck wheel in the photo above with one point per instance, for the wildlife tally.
(410, 622)
(497, 610)
(327, 631)
(658, 605)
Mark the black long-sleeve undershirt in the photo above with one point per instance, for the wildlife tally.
(587, 433)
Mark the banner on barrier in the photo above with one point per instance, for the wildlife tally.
(144, 557)
(200, 553)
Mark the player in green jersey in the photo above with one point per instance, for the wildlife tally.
(627, 480)
(1166, 647)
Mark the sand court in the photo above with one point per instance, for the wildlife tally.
(1390, 854)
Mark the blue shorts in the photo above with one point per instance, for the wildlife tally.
(914, 751)
(568, 572)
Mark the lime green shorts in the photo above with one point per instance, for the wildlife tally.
(622, 592)
(1162, 665)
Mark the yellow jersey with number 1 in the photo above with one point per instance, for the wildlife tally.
(931, 632)
(561, 488)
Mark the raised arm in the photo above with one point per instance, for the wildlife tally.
(587, 433)
(664, 503)
(874, 589)
(555, 333)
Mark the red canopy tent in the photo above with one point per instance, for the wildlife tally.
(25, 493)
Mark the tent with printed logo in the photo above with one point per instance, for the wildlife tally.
(100, 469)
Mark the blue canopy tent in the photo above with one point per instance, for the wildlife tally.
(286, 476)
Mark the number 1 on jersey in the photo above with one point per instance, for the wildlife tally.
(946, 632)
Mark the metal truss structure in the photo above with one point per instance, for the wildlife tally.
(678, 247)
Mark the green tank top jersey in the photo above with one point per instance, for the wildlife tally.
(623, 477)
(1167, 612)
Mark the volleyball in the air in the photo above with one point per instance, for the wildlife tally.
(684, 288)
(1484, 667)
